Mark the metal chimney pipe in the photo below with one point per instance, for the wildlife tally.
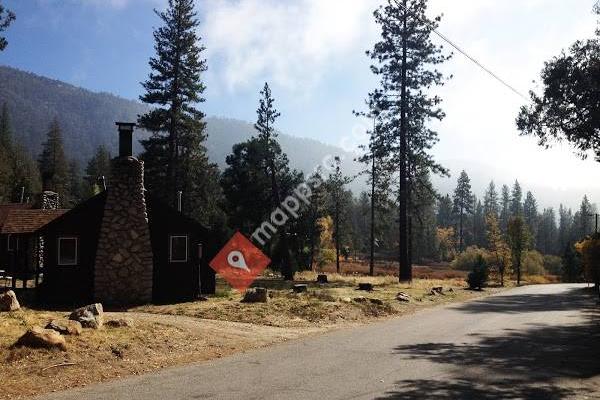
(125, 138)
(179, 197)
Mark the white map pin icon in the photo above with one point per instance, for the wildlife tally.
(236, 260)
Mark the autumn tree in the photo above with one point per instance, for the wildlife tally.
(498, 248)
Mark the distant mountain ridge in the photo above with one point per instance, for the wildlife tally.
(87, 119)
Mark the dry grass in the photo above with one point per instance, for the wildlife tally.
(111, 353)
(322, 306)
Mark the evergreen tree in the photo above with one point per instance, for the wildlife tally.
(53, 165)
(516, 201)
(444, 212)
(175, 157)
(565, 226)
(479, 231)
(530, 214)
(490, 202)
(547, 233)
(75, 185)
(97, 168)
(336, 183)
(405, 60)
(6, 18)
(518, 240)
(6, 155)
(26, 180)
(505, 208)
(584, 220)
(572, 268)
(463, 205)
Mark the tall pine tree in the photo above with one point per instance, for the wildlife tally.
(463, 206)
(175, 157)
(53, 164)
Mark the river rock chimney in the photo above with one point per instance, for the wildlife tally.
(123, 272)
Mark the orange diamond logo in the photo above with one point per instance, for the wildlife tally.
(239, 262)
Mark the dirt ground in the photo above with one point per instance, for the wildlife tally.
(164, 336)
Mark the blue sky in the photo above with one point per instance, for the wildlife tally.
(312, 53)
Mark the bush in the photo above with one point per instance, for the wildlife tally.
(533, 263)
(468, 259)
(478, 278)
(553, 264)
(326, 256)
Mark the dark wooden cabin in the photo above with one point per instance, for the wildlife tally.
(122, 247)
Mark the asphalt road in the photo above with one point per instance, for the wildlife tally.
(539, 342)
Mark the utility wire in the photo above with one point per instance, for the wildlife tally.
(463, 52)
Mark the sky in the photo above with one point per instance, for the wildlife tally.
(312, 53)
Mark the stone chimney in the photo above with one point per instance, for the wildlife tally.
(123, 270)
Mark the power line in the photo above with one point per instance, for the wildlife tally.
(463, 52)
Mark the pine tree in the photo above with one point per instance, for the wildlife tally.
(6, 18)
(405, 59)
(26, 181)
(444, 212)
(75, 184)
(6, 155)
(547, 233)
(98, 167)
(505, 208)
(584, 225)
(463, 205)
(516, 201)
(275, 159)
(490, 201)
(53, 165)
(518, 240)
(335, 184)
(530, 214)
(479, 238)
(175, 157)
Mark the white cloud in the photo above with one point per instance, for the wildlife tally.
(290, 43)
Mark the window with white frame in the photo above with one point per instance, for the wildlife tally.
(178, 248)
(67, 251)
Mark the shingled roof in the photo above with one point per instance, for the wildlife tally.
(28, 221)
(6, 208)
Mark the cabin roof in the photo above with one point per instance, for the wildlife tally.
(6, 208)
(28, 221)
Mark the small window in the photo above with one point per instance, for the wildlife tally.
(178, 249)
(67, 251)
(12, 242)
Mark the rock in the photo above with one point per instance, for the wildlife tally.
(365, 286)
(322, 279)
(401, 296)
(9, 302)
(360, 299)
(346, 300)
(436, 291)
(67, 328)
(90, 316)
(255, 295)
(300, 288)
(119, 323)
(451, 290)
(37, 337)
(377, 302)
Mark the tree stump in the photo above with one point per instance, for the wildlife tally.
(300, 288)
(322, 279)
(364, 286)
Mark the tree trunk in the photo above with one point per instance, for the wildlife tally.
(337, 236)
(372, 239)
(405, 269)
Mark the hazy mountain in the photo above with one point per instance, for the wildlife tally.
(88, 120)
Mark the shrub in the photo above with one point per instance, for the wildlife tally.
(326, 256)
(553, 264)
(477, 279)
(533, 263)
(468, 259)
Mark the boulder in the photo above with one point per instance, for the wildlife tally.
(365, 286)
(119, 323)
(401, 296)
(9, 302)
(300, 288)
(90, 316)
(37, 337)
(346, 300)
(67, 328)
(255, 295)
(322, 279)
